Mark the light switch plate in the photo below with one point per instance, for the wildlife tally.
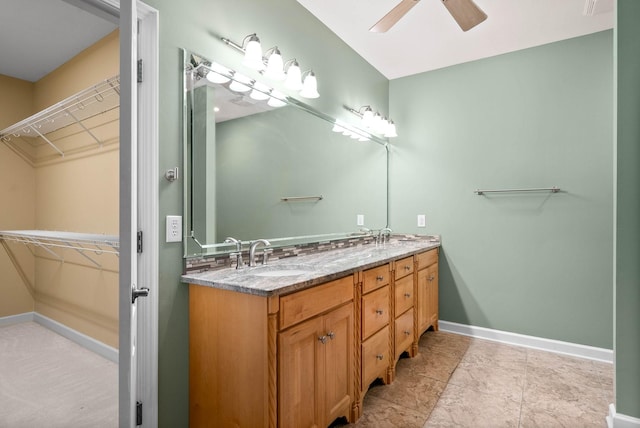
(174, 228)
(422, 220)
(360, 220)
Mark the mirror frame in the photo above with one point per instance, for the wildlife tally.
(191, 62)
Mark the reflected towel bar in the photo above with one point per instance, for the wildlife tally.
(301, 198)
(553, 189)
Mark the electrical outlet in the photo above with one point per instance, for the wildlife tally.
(422, 220)
(360, 220)
(174, 228)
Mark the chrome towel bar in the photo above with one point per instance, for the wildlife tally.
(553, 189)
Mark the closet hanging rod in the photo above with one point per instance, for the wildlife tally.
(553, 189)
(301, 198)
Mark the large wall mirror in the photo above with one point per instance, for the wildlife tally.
(258, 164)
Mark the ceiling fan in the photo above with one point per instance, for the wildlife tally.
(465, 12)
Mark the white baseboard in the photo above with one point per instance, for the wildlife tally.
(81, 339)
(617, 420)
(16, 319)
(550, 345)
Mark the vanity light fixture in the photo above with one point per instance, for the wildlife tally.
(218, 74)
(273, 67)
(294, 75)
(276, 99)
(375, 121)
(240, 83)
(348, 131)
(309, 85)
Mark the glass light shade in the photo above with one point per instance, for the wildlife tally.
(376, 121)
(260, 91)
(253, 53)
(218, 74)
(276, 99)
(275, 66)
(391, 130)
(363, 139)
(240, 83)
(382, 126)
(337, 128)
(367, 117)
(294, 77)
(310, 86)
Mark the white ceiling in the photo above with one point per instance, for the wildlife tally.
(37, 36)
(428, 38)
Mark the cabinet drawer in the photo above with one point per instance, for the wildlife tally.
(404, 294)
(375, 278)
(375, 311)
(427, 258)
(375, 357)
(404, 267)
(404, 332)
(304, 304)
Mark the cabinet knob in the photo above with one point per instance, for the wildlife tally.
(331, 335)
(407, 267)
(380, 357)
(379, 278)
(431, 278)
(407, 295)
(379, 311)
(322, 339)
(407, 332)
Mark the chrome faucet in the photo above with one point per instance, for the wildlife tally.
(384, 235)
(238, 253)
(252, 251)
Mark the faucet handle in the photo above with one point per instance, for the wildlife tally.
(265, 255)
(238, 258)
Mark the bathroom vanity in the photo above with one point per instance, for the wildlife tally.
(298, 342)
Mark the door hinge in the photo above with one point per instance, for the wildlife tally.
(138, 413)
(140, 71)
(139, 242)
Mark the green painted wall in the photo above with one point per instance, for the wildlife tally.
(343, 78)
(536, 264)
(627, 294)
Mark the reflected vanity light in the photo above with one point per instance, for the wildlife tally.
(375, 121)
(218, 74)
(260, 91)
(276, 99)
(348, 131)
(273, 67)
(240, 83)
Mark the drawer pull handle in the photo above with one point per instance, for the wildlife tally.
(431, 278)
(407, 295)
(407, 332)
(379, 311)
(322, 339)
(379, 278)
(380, 357)
(331, 335)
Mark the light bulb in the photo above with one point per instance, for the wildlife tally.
(294, 77)
(277, 99)
(310, 86)
(260, 91)
(275, 66)
(367, 117)
(240, 83)
(253, 53)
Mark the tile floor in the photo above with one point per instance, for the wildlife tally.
(458, 381)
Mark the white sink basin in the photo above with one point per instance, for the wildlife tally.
(280, 272)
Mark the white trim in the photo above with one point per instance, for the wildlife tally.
(618, 420)
(550, 345)
(16, 319)
(81, 339)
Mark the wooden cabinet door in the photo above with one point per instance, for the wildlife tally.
(338, 357)
(299, 375)
(432, 296)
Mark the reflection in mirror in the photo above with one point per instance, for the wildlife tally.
(259, 164)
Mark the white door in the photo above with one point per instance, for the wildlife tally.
(138, 212)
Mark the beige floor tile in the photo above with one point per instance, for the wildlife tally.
(490, 353)
(500, 381)
(416, 392)
(443, 342)
(379, 413)
(434, 364)
(563, 416)
(464, 407)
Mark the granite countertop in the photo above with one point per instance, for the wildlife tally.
(297, 273)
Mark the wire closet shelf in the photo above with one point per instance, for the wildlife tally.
(97, 99)
(50, 241)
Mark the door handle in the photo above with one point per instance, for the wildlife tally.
(138, 292)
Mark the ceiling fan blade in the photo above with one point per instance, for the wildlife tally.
(390, 19)
(466, 13)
